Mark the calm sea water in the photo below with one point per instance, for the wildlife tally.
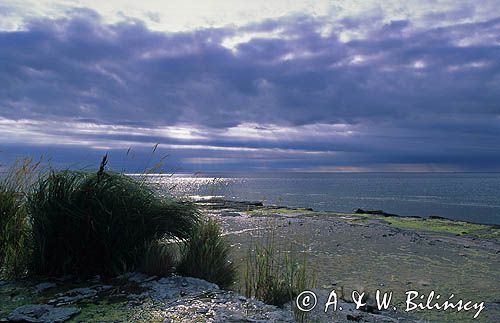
(463, 196)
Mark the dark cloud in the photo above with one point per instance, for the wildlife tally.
(410, 96)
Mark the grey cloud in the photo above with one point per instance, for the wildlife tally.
(413, 95)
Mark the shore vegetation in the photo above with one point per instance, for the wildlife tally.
(83, 223)
(206, 255)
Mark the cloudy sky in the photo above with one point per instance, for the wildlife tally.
(252, 85)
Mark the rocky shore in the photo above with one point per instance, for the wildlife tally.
(131, 297)
(373, 250)
(362, 251)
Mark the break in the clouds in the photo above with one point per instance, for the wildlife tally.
(332, 87)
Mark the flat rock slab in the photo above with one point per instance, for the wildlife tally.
(187, 299)
(42, 313)
(77, 294)
(216, 306)
(177, 286)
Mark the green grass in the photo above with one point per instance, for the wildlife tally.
(99, 223)
(205, 255)
(160, 258)
(273, 274)
(87, 223)
(14, 220)
(10, 209)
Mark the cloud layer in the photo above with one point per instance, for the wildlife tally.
(297, 92)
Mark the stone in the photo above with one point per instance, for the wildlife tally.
(176, 286)
(42, 313)
(73, 296)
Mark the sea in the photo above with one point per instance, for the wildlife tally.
(473, 197)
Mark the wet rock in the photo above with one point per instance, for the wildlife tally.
(42, 313)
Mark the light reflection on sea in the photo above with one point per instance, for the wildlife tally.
(464, 196)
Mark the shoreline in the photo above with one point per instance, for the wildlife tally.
(345, 252)
(350, 251)
(220, 203)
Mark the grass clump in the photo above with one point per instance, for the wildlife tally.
(86, 223)
(83, 223)
(9, 210)
(14, 222)
(273, 275)
(160, 258)
(205, 255)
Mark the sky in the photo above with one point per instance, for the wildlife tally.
(313, 86)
